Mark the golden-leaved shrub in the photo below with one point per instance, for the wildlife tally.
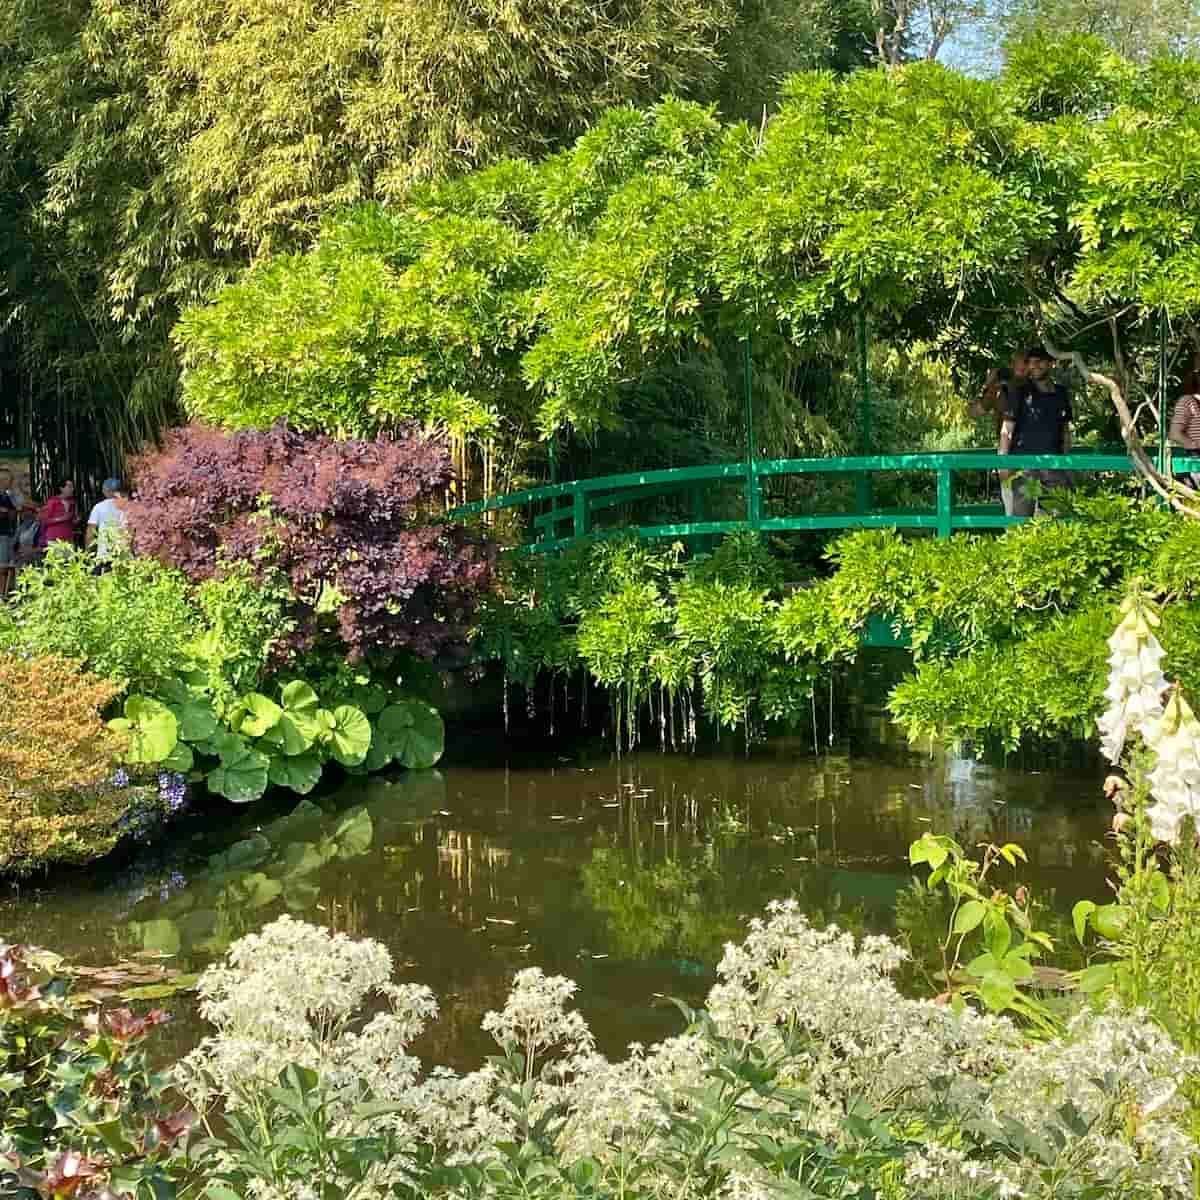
(56, 757)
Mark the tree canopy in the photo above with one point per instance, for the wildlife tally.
(150, 149)
(522, 296)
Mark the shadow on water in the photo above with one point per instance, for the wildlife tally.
(628, 874)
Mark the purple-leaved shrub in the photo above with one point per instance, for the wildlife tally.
(349, 525)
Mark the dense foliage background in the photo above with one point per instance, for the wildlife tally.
(610, 285)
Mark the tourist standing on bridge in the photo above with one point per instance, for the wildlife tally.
(994, 399)
(1185, 428)
(1036, 420)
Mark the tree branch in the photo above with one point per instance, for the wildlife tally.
(1180, 497)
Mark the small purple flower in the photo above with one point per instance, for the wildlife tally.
(172, 791)
(121, 778)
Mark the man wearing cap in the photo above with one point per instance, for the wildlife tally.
(106, 525)
(1036, 420)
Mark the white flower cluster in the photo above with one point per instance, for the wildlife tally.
(1136, 684)
(1001, 1115)
(289, 995)
(1175, 781)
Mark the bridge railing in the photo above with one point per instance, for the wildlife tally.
(563, 513)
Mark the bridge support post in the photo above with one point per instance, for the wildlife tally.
(579, 513)
(945, 503)
(753, 492)
(862, 483)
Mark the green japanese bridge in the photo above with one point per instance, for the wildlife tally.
(561, 514)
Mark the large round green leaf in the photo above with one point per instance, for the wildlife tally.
(298, 727)
(293, 734)
(180, 759)
(349, 735)
(414, 731)
(300, 773)
(242, 775)
(261, 714)
(298, 698)
(151, 728)
(370, 697)
(380, 754)
(197, 721)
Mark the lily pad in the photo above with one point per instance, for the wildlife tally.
(151, 728)
(350, 736)
(415, 733)
(261, 714)
(300, 774)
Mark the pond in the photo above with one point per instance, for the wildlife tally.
(627, 874)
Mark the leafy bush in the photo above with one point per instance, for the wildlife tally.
(248, 741)
(202, 690)
(84, 1114)
(133, 625)
(346, 526)
(56, 761)
(1007, 631)
(807, 1075)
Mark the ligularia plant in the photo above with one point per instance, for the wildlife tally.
(1136, 685)
(797, 1080)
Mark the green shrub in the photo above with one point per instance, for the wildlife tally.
(134, 625)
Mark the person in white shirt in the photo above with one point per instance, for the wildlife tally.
(106, 526)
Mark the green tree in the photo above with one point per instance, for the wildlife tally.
(523, 299)
(150, 149)
(1136, 29)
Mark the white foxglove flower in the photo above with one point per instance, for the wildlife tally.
(1175, 781)
(1135, 679)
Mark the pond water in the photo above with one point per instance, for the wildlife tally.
(627, 874)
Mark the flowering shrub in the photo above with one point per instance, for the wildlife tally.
(346, 524)
(83, 1114)
(807, 1075)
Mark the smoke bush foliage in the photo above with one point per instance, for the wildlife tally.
(347, 524)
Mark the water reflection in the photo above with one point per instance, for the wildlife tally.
(628, 874)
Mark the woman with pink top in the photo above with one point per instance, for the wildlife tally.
(59, 516)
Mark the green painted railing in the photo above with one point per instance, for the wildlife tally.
(575, 503)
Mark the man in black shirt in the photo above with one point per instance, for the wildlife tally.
(1036, 420)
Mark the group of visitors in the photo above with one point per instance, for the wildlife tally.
(1033, 416)
(27, 529)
